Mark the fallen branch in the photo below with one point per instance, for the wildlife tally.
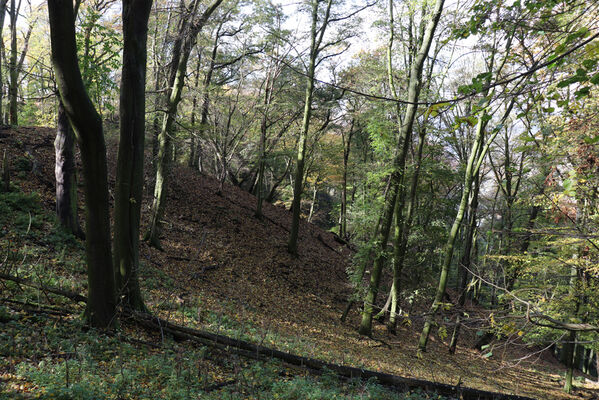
(260, 352)
(255, 351)
(38, 308)
(70, 295)
(321, 240)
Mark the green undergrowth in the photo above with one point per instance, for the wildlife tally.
(64, 360)
(47, 352)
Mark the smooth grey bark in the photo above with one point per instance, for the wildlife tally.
(130, 161)
(192, 162)
(65, 173)
(158, 80)
(475, 159)
(313, 203)
(5, 173)
(450, 244)
(570, 345)
(268, 94)
(16, 62)
(88, 127)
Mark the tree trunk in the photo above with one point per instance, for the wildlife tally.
(65, 172)
(311, 214)
(3, 4)
(343, 212)
(476, 155)
(13, 84)
(193, 159)
(5, 173)
(206, 100)
(316, 36)
(88, 126)
(262, 145)
(130, 162)
(402, 234)
(405, 133)
(183, 45)
(464, 265)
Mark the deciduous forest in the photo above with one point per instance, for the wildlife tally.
(311, 199)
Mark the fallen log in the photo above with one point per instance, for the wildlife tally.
(69, 295)
(260, 352)
(256, 351)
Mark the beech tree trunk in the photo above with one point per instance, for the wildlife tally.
(346, 151)
(88, 126)
(129, 174)
(65, 172)
(402, 233)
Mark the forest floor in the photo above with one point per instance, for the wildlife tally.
(224, 271)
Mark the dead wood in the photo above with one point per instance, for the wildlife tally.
(260, 352)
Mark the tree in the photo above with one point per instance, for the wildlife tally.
(318, 46)
(316, 36)
(477, 154)
(189, 28)
(65, 173)
(129, 174)
(3, 4)
(90, 135)
(397, 176)
(13, 85)
(15, 61)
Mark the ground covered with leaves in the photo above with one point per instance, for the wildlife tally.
(224, 271)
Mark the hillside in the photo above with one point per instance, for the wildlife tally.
(224, 271)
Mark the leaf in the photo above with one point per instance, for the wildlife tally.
(589, 64)
(591, 139)
(585, 91)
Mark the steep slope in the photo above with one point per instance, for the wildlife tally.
(225, 271)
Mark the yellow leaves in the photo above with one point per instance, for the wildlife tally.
(442, 332)
(434, 110)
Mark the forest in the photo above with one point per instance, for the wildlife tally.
(309, 199)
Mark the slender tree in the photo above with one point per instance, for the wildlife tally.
(13, 84)
(405, 133)
(316, 37)
(189, 28)
(3, 4)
